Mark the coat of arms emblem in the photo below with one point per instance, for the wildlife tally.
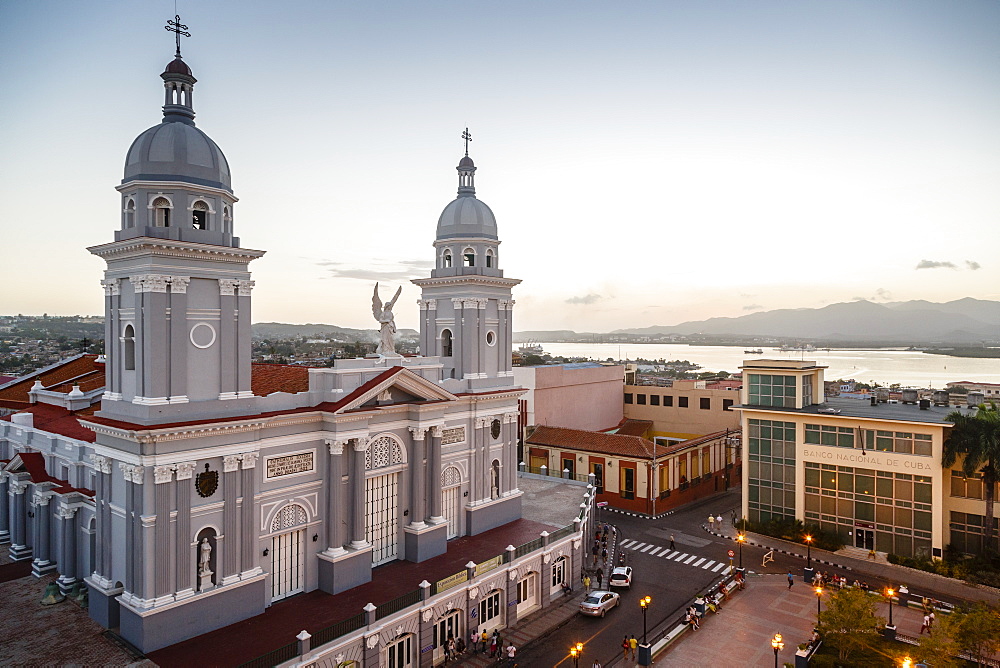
(206, 482)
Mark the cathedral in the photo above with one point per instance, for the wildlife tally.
(211, 487)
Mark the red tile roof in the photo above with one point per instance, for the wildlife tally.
(16, 394)
(58, 420)
(595, 441)
(630, 427)
(34, 464)
(268, 378)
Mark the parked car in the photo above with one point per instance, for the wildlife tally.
(621, 577)
(599, 602)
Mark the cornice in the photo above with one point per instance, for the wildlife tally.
(144, 246)
(473, 279)
(176, 185)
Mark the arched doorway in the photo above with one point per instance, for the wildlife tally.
(451, 500)
(288, 552)
(384, 460)
(448, 626)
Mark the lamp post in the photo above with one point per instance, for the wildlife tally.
(740, 538)
(809, 541)
(889, 592)
(575, 651)
(777, 645)
(907, 662)
(644, 604)
(819, 600)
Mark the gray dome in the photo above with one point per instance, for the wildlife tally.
(177, 151)
(467, 216)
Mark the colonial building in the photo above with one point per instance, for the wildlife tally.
(206, 501)
(687, 409)
(869, 471)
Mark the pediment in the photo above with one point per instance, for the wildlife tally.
(402, 386)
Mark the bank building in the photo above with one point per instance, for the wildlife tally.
(190, 489)
(868, 470)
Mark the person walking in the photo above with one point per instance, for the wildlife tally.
(926, 626)
(672, 542)
(597, 664)
(600, 577)
(474, 642)
(625, 649)
(586, 582)
(711, 521)
(791, 580)
(632, 645)
(718, 521)
(511, 653)
(604, 555)
(484, 639)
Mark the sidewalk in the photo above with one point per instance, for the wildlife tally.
(917, 581)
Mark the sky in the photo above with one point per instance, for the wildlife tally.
(648, 162)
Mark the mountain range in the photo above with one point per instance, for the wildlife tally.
(962, 321)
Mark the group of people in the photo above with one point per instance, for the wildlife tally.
(598, 578)
(482, 643)
(601, 537)
(629, 647)
(693, 618)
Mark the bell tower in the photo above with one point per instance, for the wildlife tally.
(466, 304)
(177, 285)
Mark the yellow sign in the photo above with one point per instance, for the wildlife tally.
(452, 581)
(488, 565)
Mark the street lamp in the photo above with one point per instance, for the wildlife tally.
(777, 645)
(740, 538)
(907, 662)
(819, 600)
(644, 604)
(575, 651)
(889, 592)
(809, 542)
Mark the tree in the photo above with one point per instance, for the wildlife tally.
(849, 623)
(976, 440)
(941, 649)
(979, 632)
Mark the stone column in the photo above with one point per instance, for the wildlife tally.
(427, 333)
(102, 516)
(67, 560)
(434, 489)
(510, 451)
(130, 538)
(458, 339)
(480, 337)
(185, 541)
(42, 563)
(138, 474)
(248, 533)
(112, 340)
(227, 338)
(179, 343)
(335, 499)
(19, 512)
(230, 522)
(163, 477)
(4, 509)
(358, 539)
(242, 349)
(418, 477)
(479, 463)
(155, 338)
(509, 345)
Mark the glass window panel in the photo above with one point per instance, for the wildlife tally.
(812, 502)
(904, 518)
(921, 520)
(829, 480)
(812, 477)
(921, 447)
(883, 514)
(864, 511)
(845, 482)
(974, 488)
(828, 438)
(864, 484)
(829, 505)
(754, 492)
(790, 501)
(883, 486)
(921, 493)
(904, 446)
(883, 444)
(844, 508)
(904, 490)
(754, 469)
(765, 495)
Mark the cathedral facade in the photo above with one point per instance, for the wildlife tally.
(212, 502)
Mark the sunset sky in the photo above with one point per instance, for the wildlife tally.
(648, 162)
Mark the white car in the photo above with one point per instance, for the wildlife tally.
(599, 602)
(621, 577)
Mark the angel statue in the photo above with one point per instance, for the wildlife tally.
(383, 314)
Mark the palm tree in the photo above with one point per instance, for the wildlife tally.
(976, 439)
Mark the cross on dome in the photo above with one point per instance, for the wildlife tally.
(178, 29)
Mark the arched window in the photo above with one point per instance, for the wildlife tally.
(446, 259)
(227, 220)
(128, 348)
(199, 216)
(290, 516)
(161, 212)
(489, 257)
(446, 343)
(130, 213)
(383, 451)
(469, 257)
(495, 479)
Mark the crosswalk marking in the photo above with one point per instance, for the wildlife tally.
(647, 548)
(691, 558)
(680, 556)
(636, 546)
(698, 563)
(716, 569)
(628, 543)
(656, 552)
(671, 555)
(708, 564)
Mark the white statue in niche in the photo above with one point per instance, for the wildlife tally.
(204, 557)
(383, 313)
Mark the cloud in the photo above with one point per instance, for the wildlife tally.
(585, 299)
(379, 270)
(752, 307)
(972, 265)
(882, 295)
(935, 264)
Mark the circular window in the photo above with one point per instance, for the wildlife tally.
(495, 429)
(491, 338)
(202, 335)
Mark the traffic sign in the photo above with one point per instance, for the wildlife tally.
(731, 554)
(602, 504)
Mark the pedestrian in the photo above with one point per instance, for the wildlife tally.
(597, 664)
(926, 626)
(606, 529)
(511, 653)
(604, 554)
(711, 521)
(791, 580)
(495, 644)
(600, 577)
(732, 517)
(625, 649)
(449, 650)
(483, 640)
(718, 521)
(672, 541)
(474, 642)
(586, 582)
(930, 616)
(632, 645)
(872, 554)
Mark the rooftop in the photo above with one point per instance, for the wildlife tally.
(863, 409)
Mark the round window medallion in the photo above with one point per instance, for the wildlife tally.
(202, 335)
(495, 429)
(491, 338)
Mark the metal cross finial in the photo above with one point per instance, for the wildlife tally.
(179, 29)
(467, 137)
